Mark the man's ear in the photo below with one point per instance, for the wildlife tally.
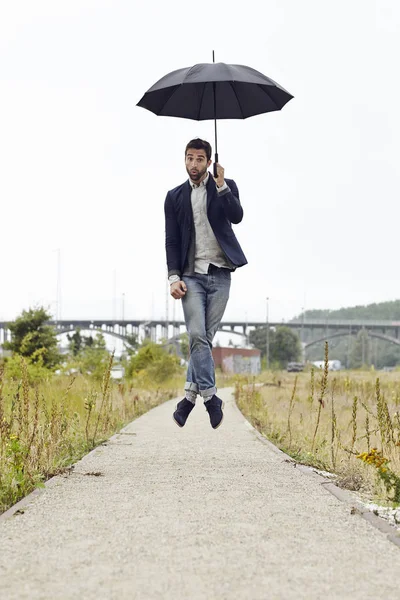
(209, 163)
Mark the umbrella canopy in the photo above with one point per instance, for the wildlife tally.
(214, 91)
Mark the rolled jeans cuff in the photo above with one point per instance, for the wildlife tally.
(192, 387)
(207, 394)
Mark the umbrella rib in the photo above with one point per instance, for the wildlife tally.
(265, 92)
(201, 101)
(237, 99)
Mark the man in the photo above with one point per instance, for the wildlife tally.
(202, 251)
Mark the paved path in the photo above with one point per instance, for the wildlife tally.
(192, 514)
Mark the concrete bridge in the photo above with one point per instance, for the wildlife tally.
(311, 331)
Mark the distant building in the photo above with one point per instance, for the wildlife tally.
(237, 360)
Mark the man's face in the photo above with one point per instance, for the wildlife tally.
(196, 164)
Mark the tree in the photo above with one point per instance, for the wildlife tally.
(131, 344)
(34, 339)
(88, 341)
(258, 338)
(75, 342)
(284, 344)
(93, 357)
(153, 361)
(360, 355)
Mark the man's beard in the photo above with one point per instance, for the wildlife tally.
(196, 176)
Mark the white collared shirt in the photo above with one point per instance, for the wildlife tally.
(207, 248)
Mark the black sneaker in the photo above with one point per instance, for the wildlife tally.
(214, 408)
(183, 410)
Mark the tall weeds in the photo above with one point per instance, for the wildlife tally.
(334, 429)
(362, 420)
(291, 403)
(354, 422)
(46, 427)
(324, 384)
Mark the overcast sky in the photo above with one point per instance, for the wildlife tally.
(84, 172)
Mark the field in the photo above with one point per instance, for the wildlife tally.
(347, 423)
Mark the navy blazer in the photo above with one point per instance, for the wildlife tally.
(222, 210)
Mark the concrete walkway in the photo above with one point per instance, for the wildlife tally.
(192, 514)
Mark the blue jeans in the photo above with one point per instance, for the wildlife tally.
(203, 307)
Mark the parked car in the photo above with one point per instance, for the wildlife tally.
(295, 367)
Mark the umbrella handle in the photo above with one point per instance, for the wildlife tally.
(215, 165)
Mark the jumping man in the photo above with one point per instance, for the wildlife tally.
(202, 251)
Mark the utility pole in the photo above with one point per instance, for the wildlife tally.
(58, 301)
(122, 328)
(267, 335)
(114, 295)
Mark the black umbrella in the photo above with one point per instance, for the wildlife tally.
(214, 91)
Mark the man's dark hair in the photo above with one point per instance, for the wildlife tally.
(198, 144)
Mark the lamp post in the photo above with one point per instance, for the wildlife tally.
(267, 336)
(58, 313)
(122, 328)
